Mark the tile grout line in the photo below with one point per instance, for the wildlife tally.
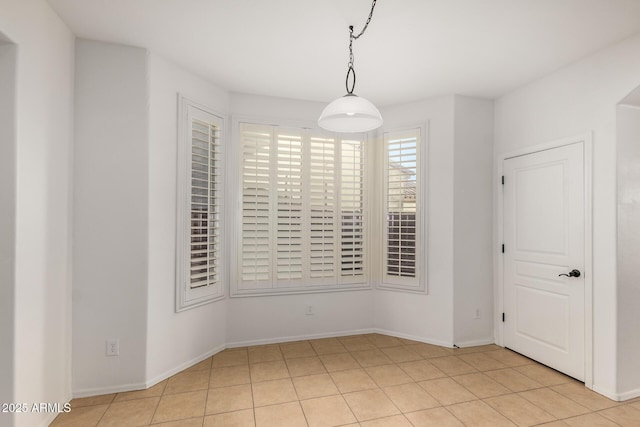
(106, 410)
(206, 396)
(156, 408)
(295, 390)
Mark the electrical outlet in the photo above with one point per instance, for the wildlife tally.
(310, 310)
(113, 347)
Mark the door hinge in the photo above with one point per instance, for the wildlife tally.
(502, 179)
(503, 317)
(503, 248)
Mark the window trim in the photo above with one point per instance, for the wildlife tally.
(235, 202)
(422, 267)
(187, 298)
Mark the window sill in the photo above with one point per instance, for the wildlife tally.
(398, 288)
(297, 291)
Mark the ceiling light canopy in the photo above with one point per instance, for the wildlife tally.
(351, 113)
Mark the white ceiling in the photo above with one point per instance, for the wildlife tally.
(413, 49)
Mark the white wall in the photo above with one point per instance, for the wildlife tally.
(7, 220)
(111, 201)
(255, 320)
(459, 217)
(473, 248)
(628, 250)
(44, 71)
(427, 317)
(174, 340)
(125, 209)
(579, 98)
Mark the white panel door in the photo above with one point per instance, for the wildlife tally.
(544, 217)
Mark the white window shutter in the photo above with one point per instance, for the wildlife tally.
(322, 209)
(199, 267)
(352, 210)
(256, 241)
(289, 206)
(205, 220)
(302, 204)
(402, 203)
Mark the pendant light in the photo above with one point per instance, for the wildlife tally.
(351, 113)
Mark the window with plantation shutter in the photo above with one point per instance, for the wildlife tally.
(403, 226)
(199, 275)
(302, 225)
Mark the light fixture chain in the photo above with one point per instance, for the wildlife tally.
(373, 5)
(352, 37)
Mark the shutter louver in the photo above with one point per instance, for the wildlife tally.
(205, 158)
(401, 205)
(352, 209)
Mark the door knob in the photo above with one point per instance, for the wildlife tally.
(572, 273)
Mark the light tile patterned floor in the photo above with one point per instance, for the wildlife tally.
(364, 380)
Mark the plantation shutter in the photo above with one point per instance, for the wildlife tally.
(322, 206)
(302, 211)
(205, 224)
(198, 241)
(401, 203)
(352, 210)
(289, 225)
(256, 176)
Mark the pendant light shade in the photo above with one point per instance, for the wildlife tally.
(350, 113)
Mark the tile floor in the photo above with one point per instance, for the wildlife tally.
(364, 380)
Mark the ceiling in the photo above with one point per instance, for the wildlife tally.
(413, 49)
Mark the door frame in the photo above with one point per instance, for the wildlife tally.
(586, 140)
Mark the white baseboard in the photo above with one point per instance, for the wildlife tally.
(149, 383)
(298, 338)
(627, 395)
(618, 397)
(414, 338)
(606, 393)
(357, 332)
(87, 392)
(183, 366)
(475, 343)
